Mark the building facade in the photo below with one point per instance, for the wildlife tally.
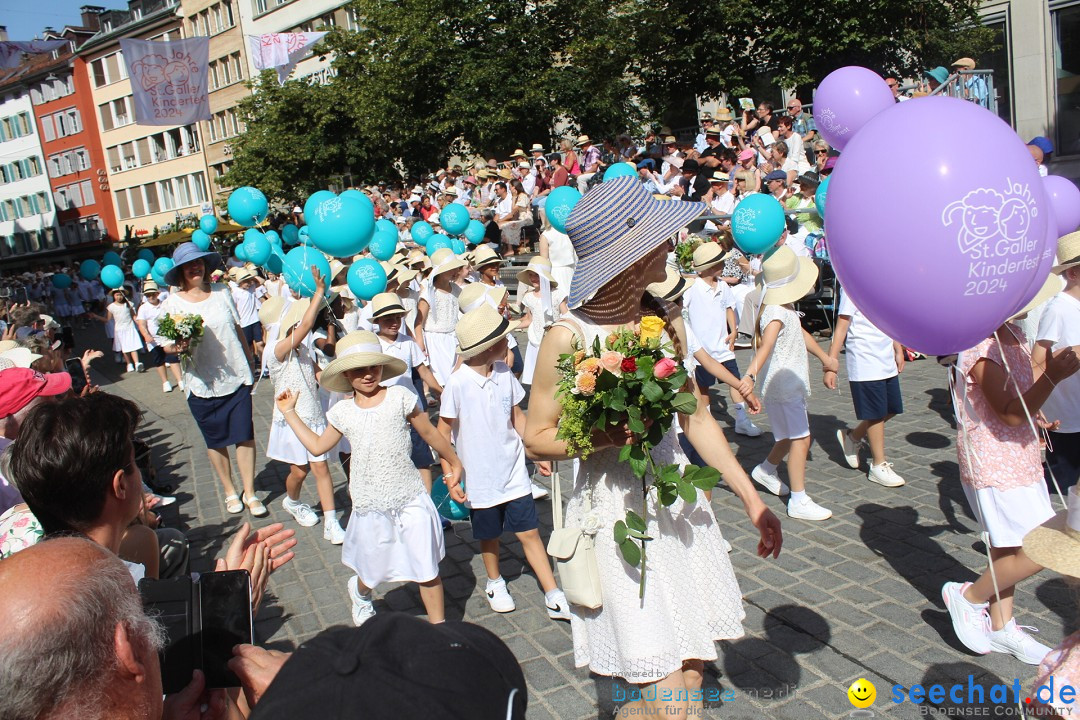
(27, 213)
(259, 17)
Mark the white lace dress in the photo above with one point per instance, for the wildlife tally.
(298, 374)
(394, 533)
(440, 341)
(691, 598)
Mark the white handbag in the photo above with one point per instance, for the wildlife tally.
(575, 556)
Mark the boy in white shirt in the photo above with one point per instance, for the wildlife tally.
(710, 312)
(481, 409)
(874, 364)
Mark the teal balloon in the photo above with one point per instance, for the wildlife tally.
(436, 243)
(90, 269)
(446, 505)
(248, 206)
(819, 196)
(366, 278)
(757, 223)
(140, 269)
(619, 169)
(362, 197)
(341, 226)
(421, 231)
(296, 267)
(146, 254)
(313, 201)
(201, 239)
(383, 245)
(275, 263)
(208, 224)
(273, 238)
(454, 218)
(384, 225)
(560, 202)
(290, 234)
(474, 232)
(160, 268)
(240, 253)
(256, 247)
(457, 245)
(112, 258)
(61, 281)
(304, 236)
(112, 277)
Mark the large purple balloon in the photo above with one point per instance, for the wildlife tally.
(944, 272)
(1064, 197)
(846, 100)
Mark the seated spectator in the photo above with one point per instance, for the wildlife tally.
(21, 390)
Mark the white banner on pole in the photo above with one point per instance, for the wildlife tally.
(281, 51)
(11, 51)
(168, 80)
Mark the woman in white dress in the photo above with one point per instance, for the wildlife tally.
(691, 597)
(126, 338)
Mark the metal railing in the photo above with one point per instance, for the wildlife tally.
(976, 86)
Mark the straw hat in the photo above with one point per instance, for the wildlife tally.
(385, 304)
(150, 287)
(1056, 543)
(358, 349)
(1050, 287)
(518, 153)
(542, 267)
(582, 141)
(450, 190)
(445, 260)
(537, 147)
(720, 177)
(714, 130)
(473, 296)
(708, 255)
(480, 329)
(484, 255)
(20, 356)
(242, 274)
(505, 174)
(786, 278)
(400, 274)
(6, 345)
(336, 266)
(1068, 252)
(416, 257)
(724, 115)
(270, 310)
(433, 220)
(673, 286)
(964, 63)
(294, 314)
(613, 226)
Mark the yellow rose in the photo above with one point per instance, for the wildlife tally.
(651, 328)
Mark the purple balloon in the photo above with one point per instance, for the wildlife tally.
(846, 100)
(1064, 197)
(945, 272)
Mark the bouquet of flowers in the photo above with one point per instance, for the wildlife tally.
(181, 327)
(631, 379)
(684, 252)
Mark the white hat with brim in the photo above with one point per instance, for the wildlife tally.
(1050, 287)
(708, 255)
(613, 226)
(385, 304)
(270, 310)
(294, 314)
(480, 329)
(476, 294)
(1056, 543)
(673, 286)
(786, 277)
(401, 274)
(444, 260)
(358, 349)
(1068, 252)
(20, 356)
(542, 267)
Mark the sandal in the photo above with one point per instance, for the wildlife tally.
(255, 506)
(232, 504)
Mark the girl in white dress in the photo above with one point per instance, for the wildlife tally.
(437, 314)
(537, 317)
(394, 533)
(126, 339)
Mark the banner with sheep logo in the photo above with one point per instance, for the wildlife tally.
(168, 80)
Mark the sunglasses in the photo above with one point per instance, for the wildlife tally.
(790, 107)
(821, 152)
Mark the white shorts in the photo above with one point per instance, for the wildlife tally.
(788, 419)
(1006, 516)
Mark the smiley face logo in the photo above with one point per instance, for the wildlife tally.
(862, 693)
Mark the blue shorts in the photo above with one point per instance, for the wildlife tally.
(705, 379)
(518, 515)
(158, 357)
(421, 454)
(253, 332)
(874, 399)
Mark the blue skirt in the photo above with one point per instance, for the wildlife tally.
(225, 420)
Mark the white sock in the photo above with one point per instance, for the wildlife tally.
(492, 583)
(798, 495)
(768, 467)
(330, 517)
(740, 411)
(551, 595)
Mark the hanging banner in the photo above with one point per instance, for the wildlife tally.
(11, 52)
(281, 50)
(168, 80)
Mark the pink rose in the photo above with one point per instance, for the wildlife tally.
(611, 360)
(664, 368)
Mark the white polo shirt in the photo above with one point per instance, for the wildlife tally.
(246, 305)
(869, 351)
(706, 312)
(1060, 324)
(484, 436)
(405, 349)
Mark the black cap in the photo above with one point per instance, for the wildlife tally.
(401, 667)
(691, 165)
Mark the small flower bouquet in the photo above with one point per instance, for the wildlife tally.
(181, 327)
(631, 379)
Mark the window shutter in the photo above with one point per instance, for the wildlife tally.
(87, 188)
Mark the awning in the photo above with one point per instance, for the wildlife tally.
(169, 238)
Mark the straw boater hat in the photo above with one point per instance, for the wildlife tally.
(724, 115)
(294, 314)
(270, 310)
(150, 287)
(582, 141)
(518, 153)
(613, 226)
(20, 357)
(358, 349)
(1056, 543)
(786, 278)
(542, 267)
(445, 260)
(708, 255)
(479, 329)
(385, 304)
(720, 177)
(673, 286)
(484, 255)
(1050, 287)
(473, 296)
(1068, 252)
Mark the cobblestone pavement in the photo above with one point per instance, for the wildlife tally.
(855, 596)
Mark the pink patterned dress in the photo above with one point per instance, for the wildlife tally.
(1062, 666)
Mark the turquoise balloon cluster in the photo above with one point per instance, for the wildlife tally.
(340, 225)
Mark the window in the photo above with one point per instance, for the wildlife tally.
(1066, 24)
(114, 158)
(123, 209)
(168, 198)
(47, 129)
(67, 123)
(108, 69)
(152, 205)
(259, 6)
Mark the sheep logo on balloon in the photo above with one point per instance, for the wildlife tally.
(986, 216)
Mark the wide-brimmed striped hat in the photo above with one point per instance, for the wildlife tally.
(359, 348)
(613, 226)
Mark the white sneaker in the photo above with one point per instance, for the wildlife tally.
(745, 426)
(130, 367)
(558, 608)
(727, 545)
(539, 492)
(180, 385)
(301, 512)
(498, 597)
(166, 386)
(807, 509)
(333, 532)
(970, 622)
(850, 448)
(1014, 639)
(362, 607)
(883, 474)
(139, 367)
(769, 481)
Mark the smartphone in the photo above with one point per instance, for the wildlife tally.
(20, 296)
(75, 369)
(67, 336)
(170, 602)
(226, 622)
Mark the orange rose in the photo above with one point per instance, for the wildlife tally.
(589, 365)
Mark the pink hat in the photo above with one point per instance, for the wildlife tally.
(18, 386)
(470, 179)
(746, 155)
